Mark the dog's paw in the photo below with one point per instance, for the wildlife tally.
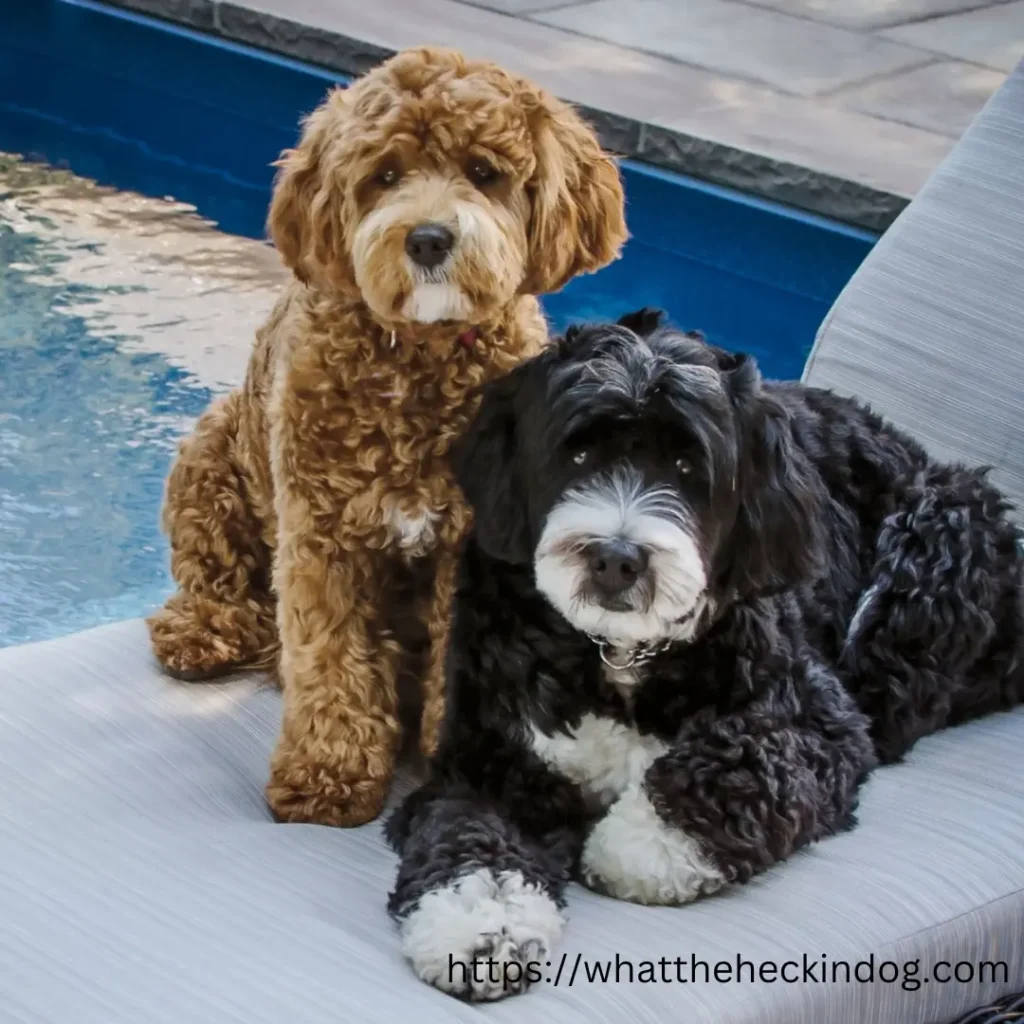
(188, 651)
(633, 855)
(303, 791)
(483, 936)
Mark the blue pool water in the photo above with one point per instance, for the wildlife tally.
(91, 405)
(86, 430)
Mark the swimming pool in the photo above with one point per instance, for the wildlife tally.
(123, 312)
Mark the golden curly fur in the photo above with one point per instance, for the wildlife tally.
(296, 498)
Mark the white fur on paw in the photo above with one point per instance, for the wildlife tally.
(633, 855)
(478, 937)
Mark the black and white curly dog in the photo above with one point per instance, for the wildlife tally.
(695, 611)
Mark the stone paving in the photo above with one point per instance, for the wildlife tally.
(841, 107)
(927, 63)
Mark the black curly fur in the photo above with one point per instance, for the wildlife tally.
(815, 516)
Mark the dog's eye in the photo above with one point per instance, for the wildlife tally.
(388, 175)
(480, 172)
(580, 457)
(684, 466)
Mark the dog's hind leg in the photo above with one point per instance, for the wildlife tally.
(935, 636)
(197, 639)
(222, 616)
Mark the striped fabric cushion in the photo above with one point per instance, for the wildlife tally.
(930, 330)
(142, 881)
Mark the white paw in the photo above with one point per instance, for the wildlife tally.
(483, 936)
(633, 855)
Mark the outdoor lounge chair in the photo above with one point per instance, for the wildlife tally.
(142, 880)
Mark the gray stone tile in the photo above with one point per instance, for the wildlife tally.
(814, 135)
(352, 35)
(870, 14)
(291, 28)
(993, 36)
(805, 152)
(627, 83)
(941, 97)
(792, 54)
(517, 7)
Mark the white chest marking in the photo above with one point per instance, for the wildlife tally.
(413, 532)
(602, 756)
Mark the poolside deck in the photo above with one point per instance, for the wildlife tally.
(842, 107)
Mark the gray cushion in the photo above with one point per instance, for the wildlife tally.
(141, 879)
(930, 330)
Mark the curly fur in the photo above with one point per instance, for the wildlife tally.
(843, 596)
(299, 500)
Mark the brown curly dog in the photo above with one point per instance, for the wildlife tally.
(422, 212)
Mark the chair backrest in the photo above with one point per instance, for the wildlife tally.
(930, 330)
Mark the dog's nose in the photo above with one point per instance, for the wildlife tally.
(615, 565)
(429, 244)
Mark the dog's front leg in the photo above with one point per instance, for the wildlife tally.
(438, 617)
(724, 803)
(336, 750)
(479, 903)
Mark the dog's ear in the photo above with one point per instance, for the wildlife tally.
(577, 216)
(305, 217)
(485, 462)
(643, 322)
(778, 539)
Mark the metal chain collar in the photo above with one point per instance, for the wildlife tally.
(639, 654)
